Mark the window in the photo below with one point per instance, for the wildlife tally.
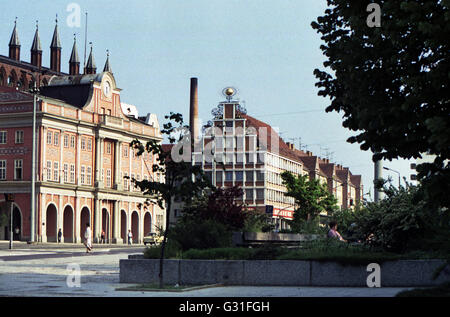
(66, 140)
(219, 176)
(108, 148)
(83, 143)
(89, 175)
(72, 141)
(3, 137)
(49, 137)
(89, 144)
(2, 170)
(19, 136)
(125, 150)
(108, 178)
(228, 176)
(55, 171)
(239, 176)
(82, 174)
(49, 170)
(18, 165)
(66, 172)
(259, 175)
(103, 174)
(260, 193)
(249, 194)
(132, 177)
(125, 182)
(209, 176)
(72, 173)
(229, 143)
(56, 139)
(249, 176)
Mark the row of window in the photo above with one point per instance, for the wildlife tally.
(231, 158)
(69, 141)
(237, 176)
(19, 137)
(18, 169)
(284, 164)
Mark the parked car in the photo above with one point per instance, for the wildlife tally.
(152, 238)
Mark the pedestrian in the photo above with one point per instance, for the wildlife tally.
(87, 238)
(59, 235)
(333, 233)
(103, 236)
(130, 237)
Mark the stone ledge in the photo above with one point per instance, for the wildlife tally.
(402, 273)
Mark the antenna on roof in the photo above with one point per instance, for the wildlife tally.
(85, 39)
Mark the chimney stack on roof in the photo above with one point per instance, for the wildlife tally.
(193, 110)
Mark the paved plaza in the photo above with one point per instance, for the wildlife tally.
(50, 270)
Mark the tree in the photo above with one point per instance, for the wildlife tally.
(182, 179)
(310, 196)
(220, 205)
(391, 82)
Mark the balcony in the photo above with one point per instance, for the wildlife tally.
(110, 121)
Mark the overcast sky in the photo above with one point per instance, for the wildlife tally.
(266, 49)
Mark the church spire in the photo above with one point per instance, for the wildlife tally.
(74, 62)
(55, 50)
(107, 67)
(36, 49)
(14, 44)
(91, 68)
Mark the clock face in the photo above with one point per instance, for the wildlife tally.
(107, 89)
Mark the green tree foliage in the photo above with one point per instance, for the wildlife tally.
(182, 179)
(310, 196)
(401, 222)
(391, 82)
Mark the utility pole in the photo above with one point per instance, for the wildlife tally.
(33, 168)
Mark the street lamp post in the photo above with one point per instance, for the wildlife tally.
(389, 169)
(34, 91)
(33, 167)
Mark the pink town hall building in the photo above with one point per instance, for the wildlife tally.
(83, 133)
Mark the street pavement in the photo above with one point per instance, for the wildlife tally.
(50, 270)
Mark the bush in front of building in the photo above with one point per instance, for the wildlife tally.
(201, 234)
(401, 222)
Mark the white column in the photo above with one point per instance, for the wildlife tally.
(61, 164)
(115, 229)
(44, 219)
(97, 218)
(79, 233)
(78, 165)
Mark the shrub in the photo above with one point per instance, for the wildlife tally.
(401, 222)
(172, 250)
(202, 234)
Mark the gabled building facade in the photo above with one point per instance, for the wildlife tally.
(83, 155)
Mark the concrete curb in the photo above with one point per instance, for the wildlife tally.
(402, 273)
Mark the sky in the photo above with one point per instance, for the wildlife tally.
(266, 49)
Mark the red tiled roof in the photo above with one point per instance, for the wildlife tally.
(283, 148)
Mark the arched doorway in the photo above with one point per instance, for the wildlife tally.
(51, 223)
(17, 223)
(147, 223)
(135, 226)
(123, 225)
(85, 218)
(68, 224)
(105, 224)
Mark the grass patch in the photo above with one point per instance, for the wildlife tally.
(438, 291)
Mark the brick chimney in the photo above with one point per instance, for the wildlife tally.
(193, 110)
